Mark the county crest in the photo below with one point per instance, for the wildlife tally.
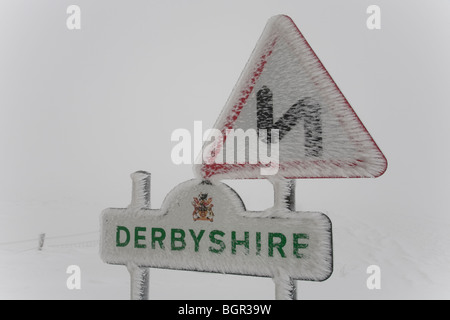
(203, 208)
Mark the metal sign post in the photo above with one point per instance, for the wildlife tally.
(140, 200)
(284, 198)
(285, 287)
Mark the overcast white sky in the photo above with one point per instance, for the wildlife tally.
(81, 110)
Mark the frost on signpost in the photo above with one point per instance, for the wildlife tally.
(285, 286)
(284, 199)
(140, 199)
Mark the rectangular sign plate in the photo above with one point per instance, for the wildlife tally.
(204, 227)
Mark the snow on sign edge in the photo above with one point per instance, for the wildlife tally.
(370, 162)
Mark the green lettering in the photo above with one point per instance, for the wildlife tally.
(174, 239)
(159, 238)
(127, 233)
(196, 238)
(297, 245)
(138, 237)
(258, 243)
(279, 245)
(214, 240)
(235, 242)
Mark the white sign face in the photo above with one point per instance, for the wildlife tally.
(204, 227)
(288, 98)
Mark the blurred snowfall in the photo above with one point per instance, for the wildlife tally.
(81, 110)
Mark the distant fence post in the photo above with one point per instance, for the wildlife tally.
(41, 241)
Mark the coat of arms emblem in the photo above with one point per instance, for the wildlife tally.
(203, 208)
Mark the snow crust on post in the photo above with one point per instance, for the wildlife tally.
(140, 195)
(285, 286)
(139, 280)
(284, 195)
(140, 199)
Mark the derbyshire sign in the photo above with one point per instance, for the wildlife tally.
(205, 227)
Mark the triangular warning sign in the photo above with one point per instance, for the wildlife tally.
(286, 118)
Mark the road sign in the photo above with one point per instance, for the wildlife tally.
(287, 98)
(204, 226)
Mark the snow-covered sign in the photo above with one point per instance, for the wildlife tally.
(204, 226)
(288, 98)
